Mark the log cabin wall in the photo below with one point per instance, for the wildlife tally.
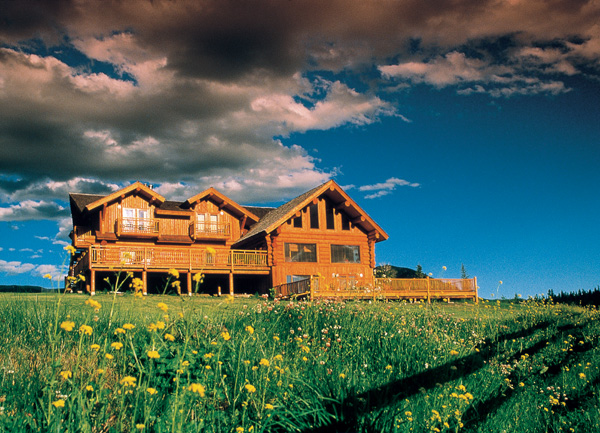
(208, 207)
(332, 228)
(113, 211)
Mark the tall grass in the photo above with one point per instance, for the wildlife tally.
(70, 363)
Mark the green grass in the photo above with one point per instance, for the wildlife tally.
(258, 366)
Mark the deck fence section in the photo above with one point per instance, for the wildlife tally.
(292, 290)
(386, 288)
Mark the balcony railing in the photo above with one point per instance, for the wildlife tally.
(179, 258)
(211, 229)
(137, 226)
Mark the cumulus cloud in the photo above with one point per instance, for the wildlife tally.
(32, 210)
(192, 94)
(15, 267)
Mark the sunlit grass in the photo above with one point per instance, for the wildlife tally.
(169, 363)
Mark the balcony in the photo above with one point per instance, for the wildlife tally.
(137, 227)
(159, 258)
(210, 230)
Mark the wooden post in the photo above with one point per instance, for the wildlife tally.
(144, 282)
(231, 283)
(476, 290)
(312, 295)
(428, 294)
(92, 282)
(189, 283)
(218, 290)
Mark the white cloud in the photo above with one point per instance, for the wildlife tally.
(384, 188)
(15, 267)
(32, 210)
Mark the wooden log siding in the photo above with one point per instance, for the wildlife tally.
(156, 258)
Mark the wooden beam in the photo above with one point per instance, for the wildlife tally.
(342, 205)
(360, 219)
(231, 283)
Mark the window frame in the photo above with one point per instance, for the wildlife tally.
(340, 256)
(302, 256)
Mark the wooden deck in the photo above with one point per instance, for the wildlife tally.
(157, 258)
(384, 288)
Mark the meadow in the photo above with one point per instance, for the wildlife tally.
(73, 363)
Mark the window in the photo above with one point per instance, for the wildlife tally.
(345, 222)
(211, 224)
(345, 254)
(300, 252)
(294, 278)
(329, 216)
(137, 220)
(313, 212)
(298, 222)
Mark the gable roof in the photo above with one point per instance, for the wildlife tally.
(272, 220)
(223, 202)
(136, 186)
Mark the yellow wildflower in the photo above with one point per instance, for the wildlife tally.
(225, 335)
(95, 347)
(128, 381)
(163, 306)
(197, 388)
(66, 374)
(198, 277)
(249, 329)
(140, 426)
(89, 388)
(151, 391)
(71, 249)
(59, 403)
(453, 352)
(116, 345)
(119, 331)
(173, 273)
(49, 277)
(239, 430)
(269, 406)
(94, 304)
(229, 299)
(250, 388)
(86, 329)
(153, 354)
(264, 362)
(108, 356)
(128, 326)
(581, 376)
(342, 376)
(169, 337)
(67, 325)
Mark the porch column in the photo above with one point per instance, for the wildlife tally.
(144, 283)
(189, 283)
(92, 282)
(231, 283)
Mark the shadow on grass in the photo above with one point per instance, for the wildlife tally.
(348, 413)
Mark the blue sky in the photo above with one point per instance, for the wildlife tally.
(468, 130)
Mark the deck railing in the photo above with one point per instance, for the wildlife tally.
(386, 288)
(295, 289)
(127, 257)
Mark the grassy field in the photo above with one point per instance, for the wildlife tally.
(167, 364)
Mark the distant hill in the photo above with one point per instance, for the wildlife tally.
(401, 272)
(21, 289)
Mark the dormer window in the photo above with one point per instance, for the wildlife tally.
(137, 221)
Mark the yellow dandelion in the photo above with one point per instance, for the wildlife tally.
(250, 388)
(342, 376)
(153, 354)
(269, 406)
(128, 381)
(225, 335)
(581, 376)
(95, 347)
(58, 403)
(86, 329)
(197, 389)
(249, 329)
(140, 426)
(49, 277)
(116, 345)
(453, 352)
(163, 306)
(119, 331)
(169, 337)
(198, 277)
(89, 388)
(108, 356)
(71, 249)
(94, 304)
(128, 326)
(67, 325)
(151, 391)
(239, 430)
(66, 374)
(173, 273)
(264, 362)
